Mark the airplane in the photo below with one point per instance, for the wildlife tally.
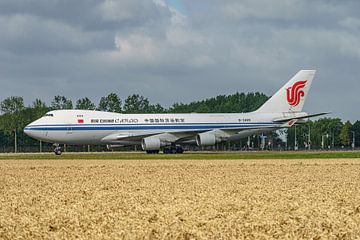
(168, 132)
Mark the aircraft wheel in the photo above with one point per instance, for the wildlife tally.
(179, 150)
(152, 151)
(58, 151)
(173, 150)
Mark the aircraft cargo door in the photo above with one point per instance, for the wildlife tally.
(70, 123)
(69, 129)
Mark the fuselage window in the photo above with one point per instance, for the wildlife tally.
(49, 115)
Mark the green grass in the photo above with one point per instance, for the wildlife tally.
(186, 156)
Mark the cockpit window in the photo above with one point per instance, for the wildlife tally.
(49, 115)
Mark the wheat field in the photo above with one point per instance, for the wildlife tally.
(182, 199)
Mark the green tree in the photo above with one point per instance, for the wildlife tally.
(329, 128)
(38, 103)
(136, 104)
(12, 119)
(139, 104)
(61, 102)
(110, 103)
(85, 103)
(345, 134)
(157, 108)
(356, 129)
(12, 105)
(38, 108)
(235, 103)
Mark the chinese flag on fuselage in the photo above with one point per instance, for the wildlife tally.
(80, 120)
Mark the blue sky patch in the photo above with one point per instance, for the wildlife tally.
(177, 5)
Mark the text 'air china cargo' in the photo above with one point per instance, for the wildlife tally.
(168, 132)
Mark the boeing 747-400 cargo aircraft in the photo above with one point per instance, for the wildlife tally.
(167, 132)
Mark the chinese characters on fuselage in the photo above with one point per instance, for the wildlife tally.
(135, 120)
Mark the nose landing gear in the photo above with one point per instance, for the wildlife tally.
(57, 150)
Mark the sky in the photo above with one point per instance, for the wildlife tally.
(180, 50)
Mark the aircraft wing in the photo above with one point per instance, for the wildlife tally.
(124, 137)
(173, 136)
(187, 135)
(131, 137)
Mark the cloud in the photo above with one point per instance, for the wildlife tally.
(28, 34)
(179, 51)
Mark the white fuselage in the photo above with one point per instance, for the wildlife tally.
(80, 127)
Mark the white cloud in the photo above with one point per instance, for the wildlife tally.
(136, 47)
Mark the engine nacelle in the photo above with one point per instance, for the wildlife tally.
(152, 143)
(112, 146)
(206, 139)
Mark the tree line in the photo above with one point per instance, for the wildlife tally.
(324, 133)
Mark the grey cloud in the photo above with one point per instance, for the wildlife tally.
(26, 34)
(55, 26)
(88, 14)
(212, 47)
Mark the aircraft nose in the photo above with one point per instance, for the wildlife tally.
(31, 131)
(27, 130)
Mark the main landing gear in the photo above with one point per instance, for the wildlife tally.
(57, 150)
(152, 151)
(173, 150)
(168, 150)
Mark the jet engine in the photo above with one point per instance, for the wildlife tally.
(152, 143)
(206, 139)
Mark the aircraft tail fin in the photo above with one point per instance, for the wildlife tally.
(291, 97)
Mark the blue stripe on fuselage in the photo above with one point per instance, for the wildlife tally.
(202, 126)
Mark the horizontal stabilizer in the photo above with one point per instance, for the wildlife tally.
(300, 117)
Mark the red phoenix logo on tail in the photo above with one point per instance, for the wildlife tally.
(294, 93)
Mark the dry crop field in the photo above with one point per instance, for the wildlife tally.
(180, 199)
